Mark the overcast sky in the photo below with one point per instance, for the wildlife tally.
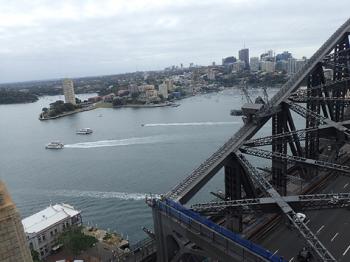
(60, 38)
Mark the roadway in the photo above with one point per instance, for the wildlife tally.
(332, 227)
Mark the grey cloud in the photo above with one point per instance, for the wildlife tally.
(154, 36)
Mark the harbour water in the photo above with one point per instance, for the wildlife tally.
(132, 152)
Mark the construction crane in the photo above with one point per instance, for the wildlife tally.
(258, 100)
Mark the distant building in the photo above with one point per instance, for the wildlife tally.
(211, 74)
(43, 228)
(268, 66)
(163, 90)
(254, 63)
(228, 60)
(94, 99)
(238, 66)
(294, 65)
(283, 56)
(243, 55)
(13, 244)
(169, 84)
(68, 91)
(282, 65)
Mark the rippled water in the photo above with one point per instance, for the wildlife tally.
(131, 153)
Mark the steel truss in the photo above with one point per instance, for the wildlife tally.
(268, 204)
(311, 239)
(345, 170)
(325, 110)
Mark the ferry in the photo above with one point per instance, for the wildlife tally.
(54, 145)
(84, 131)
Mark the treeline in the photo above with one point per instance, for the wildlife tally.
(58, 108)
(13, 97)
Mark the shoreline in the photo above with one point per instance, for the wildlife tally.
(147, 105)
(68, 113)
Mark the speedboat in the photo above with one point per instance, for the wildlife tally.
(54, 145)
(84, 131)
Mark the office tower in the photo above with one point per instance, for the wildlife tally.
(243, 55)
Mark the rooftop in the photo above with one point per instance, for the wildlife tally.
(48, 217)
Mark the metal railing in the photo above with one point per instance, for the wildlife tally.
(226, 239)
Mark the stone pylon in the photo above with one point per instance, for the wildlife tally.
(13, 244)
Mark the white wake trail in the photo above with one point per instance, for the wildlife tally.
(120, 142)
(103, 195)
(192, 124)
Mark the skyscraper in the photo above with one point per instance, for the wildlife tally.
(243, 55)
(13, 243)
(68, 91)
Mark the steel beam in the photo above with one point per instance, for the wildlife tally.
(345, 170)
(268, 204)
(311, 239)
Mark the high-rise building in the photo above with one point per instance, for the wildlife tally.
(13, 243)
(294, 65)
(228, 60)
(243, 55)
(68, 91)
(238, 66)
(283, 56)
(268, 66)
(282, 65)
(254, 63)
(163, 90)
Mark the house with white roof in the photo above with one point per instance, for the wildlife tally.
(43, 228)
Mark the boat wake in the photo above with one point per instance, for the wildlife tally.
(193, 124)
(102, 195)
(120, 142)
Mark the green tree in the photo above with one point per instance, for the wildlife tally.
(75, 241)
(35, 255)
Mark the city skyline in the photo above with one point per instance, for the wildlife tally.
(42, 40)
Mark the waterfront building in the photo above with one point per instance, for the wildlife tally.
(68, 91)
(163, 90)
(243, 55)
(43, 228)
(169, 84)
(13, 244)
(254, 63)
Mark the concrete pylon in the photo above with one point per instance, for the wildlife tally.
(13, 244)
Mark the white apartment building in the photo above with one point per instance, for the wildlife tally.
(43, 228)
(68, 91)
(163, 90)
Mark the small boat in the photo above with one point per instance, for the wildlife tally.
(84, 131)
(142, 124)
(236, 112)
(100, 115)
(54, 145)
